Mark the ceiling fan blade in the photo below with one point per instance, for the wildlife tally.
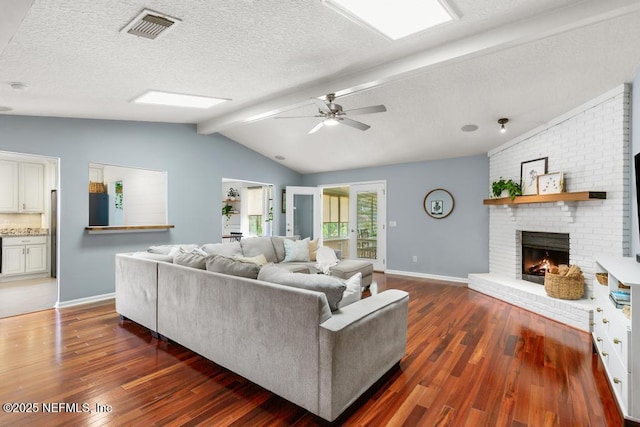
(353, 123)
(316, 128)
(367, 110)
(321, 105)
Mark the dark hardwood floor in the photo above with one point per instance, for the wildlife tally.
(471, 361)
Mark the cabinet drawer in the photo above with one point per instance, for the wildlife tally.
(24, 240)
(619, 379)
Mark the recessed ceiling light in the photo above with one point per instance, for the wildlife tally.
(395, 19)
(469, 128)
(279, 157)
(177, 99)
(19, 86)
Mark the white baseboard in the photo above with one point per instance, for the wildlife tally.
(429, 276)
(87, 300)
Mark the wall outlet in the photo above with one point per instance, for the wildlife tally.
(415, 258)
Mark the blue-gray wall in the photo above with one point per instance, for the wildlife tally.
(195, 165)
(453, 246)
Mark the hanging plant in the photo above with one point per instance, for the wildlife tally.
(513, 188)
(226, 211)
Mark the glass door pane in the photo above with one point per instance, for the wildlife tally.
(368, 235)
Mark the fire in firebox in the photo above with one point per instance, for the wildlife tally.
(542, 266)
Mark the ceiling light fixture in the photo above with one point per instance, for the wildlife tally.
(396, 19)
(503, 121)
(330, 122)
(20, 87)
(177, 100)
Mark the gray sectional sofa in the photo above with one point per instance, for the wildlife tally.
(283, 338)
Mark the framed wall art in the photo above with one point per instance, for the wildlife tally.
(529, 172)
(551, 183)
(438, 203)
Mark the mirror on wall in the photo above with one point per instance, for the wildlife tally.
(126, 196)
(247, 209)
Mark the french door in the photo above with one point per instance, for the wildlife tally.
(367, 219)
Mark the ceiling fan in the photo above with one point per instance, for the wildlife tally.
(333, 114)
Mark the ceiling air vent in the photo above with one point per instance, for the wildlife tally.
(150, 24)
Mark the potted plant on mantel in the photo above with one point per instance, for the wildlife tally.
(509, 186)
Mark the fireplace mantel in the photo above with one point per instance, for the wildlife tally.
(566, 201)
(545, 198)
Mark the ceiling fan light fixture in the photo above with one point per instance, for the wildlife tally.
(396, 19)
(330, 122)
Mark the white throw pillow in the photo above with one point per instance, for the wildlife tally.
(296, 250)
(353, 292)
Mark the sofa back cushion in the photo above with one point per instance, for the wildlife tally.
(332, 287)
(253, 246)
(231, 249)
(194, 258)
(278, 245)
(231, 266)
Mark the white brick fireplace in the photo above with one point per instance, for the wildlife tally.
(590, 145)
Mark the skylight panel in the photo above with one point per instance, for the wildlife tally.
(397, 18)
(177, 100)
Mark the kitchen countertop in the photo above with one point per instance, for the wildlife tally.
(23, 232)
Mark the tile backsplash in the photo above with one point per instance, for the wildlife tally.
(20, 220)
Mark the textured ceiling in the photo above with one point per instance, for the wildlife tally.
(529, 60)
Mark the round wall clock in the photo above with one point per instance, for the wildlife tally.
(438, 203)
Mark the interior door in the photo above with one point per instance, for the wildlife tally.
(304, 212)
(368, 234)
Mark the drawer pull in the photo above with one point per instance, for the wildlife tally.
(605, 321)
(617, 380)
(605, 354)
(599, 310)
(592, 323)
(592, 298)
(616, 341)
(599, 339)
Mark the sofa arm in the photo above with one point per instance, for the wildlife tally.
(358, 345)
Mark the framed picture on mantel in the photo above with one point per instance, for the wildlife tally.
(529, 172)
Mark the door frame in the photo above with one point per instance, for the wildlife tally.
(316, 192)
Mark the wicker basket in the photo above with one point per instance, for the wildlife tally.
(97, 187)
(603, 278)
(564, 287)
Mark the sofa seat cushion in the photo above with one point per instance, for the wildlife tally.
(254, 246)
(298, 267)
(332, 287)
(231, 266)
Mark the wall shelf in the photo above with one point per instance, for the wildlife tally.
(110, 229)
(546, 198)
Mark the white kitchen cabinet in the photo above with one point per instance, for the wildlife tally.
(21, 187)
(31, 188)
(24, 255)
(9, 186)
(616, 338)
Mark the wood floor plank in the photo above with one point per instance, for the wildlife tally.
(471, 361)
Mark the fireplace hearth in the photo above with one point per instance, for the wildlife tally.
(540, 252)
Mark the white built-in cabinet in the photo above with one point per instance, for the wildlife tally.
(22, 187)
(9, 180)
(24, 255)
(617, 338)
